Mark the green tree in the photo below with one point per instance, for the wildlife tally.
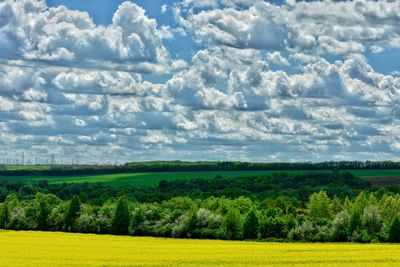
(233, 224)
(251, 225)
(44, 213)
(42, 206)
(4, 216)
(273, 227)
(394, 230)
(372, 219)
(320, 206)
(340, 226)
(18, 220)
(105, 216)
(336, 205)
(360, 202)
(56, 218)
(9, 205)
(355, 224)
(72, 213)
(121, 220)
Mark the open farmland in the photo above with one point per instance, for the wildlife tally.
(137, 179)
(64, 249)
(389, 176)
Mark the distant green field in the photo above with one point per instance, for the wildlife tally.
(153, 178)
(377, 172)
(138, 179)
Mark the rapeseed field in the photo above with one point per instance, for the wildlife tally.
(65, 249)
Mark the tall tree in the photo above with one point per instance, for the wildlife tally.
(4, 216)
(372, 219)
(320, 206)
(121, 220)
(72, 213)
(10, 203)
(233, 224)
(42, 216)
(394, 230)
(251, 225)
(355, 224)
(340, 226)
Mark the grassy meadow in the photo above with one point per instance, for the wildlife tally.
(66, 249)
(153, 178)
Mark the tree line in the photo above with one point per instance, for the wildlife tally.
(367, 217)
(296, 186)
(173, 166)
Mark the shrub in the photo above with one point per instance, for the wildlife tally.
(305, 231)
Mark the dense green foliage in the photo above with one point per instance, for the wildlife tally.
(251, 225)
(377, 177)
(44, 212)
(394, 229)
(298, 186)
(355, 225)
(142, 178)
(121, 220)
(72, 213)
(308, 206)
(368, 217)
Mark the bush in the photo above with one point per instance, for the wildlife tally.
(305, 231)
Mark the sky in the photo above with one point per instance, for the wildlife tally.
(248, 80)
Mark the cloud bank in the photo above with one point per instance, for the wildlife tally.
(266, 82)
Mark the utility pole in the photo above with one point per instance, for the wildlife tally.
(52, 159)
(23, 158)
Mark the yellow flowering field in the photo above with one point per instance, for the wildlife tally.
(64, 249)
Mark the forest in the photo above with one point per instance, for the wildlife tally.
(297, 186)
(369, 217)
(336, 206)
